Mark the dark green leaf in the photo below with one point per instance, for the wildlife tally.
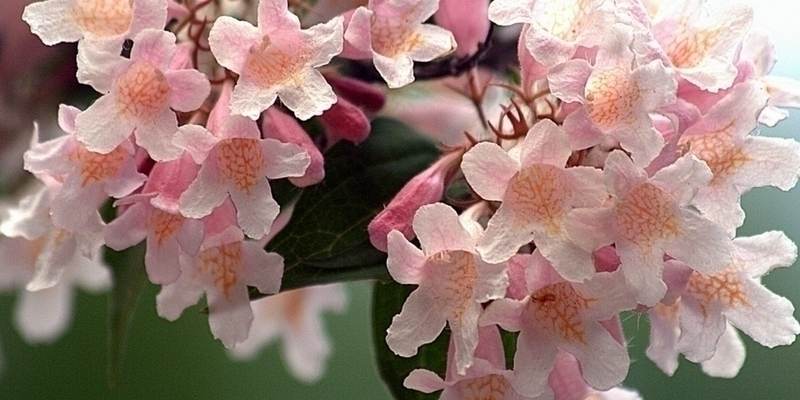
(129, 280)
(387, 301)
(326, 239)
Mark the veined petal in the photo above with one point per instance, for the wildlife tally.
(420, 322)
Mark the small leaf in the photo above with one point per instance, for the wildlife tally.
(387, 301)
(326, 239)
(129, 280)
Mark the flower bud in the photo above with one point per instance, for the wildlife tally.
(367, 96)
(425, 188)
(345, 121)
(468, 22)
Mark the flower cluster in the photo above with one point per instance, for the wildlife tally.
(602, 176)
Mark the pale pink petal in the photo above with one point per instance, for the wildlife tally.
(274, 15)
(127, 229)
(284, 159)
(397, 71)
(230, 41)
(664, 331)
(405, 262)
(44, 315)
(51, 157)
(204, 194)
(264, 270)
(643, 272)
(772, 162)
(229, 316)
(196, 140)
(310, 96)
(250, 100)
(506, 313)
(188, 89)
(438, 229)
(280, 126)
(256, 209)
(162, 260)
(773, 324)
(148, 14)
(502, 238)
(510, 12)
(533, 361)
(545, 143)
(155, 46)
(51, 21)
(358, 32)
(424, 381)
(582, 132)
(702, 324)
(568, 80)
(419, 322)
(729, 358)
(99, 65)
(604, 362)
(438, 42)
(702, 245)
(488, 169)
(98, 131)
(75, 204)
(156, 136)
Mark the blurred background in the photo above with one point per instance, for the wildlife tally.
(181, 359)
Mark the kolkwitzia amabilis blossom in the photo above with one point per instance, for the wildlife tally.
(557, 27)
(47, 262)
(561, 315)
(296, 318)
(140, 94)
(277, 59)
(453, 282)
(88, 177)
(236, 163)
(696, 43)
(650, 218)
(617, 99)
(56, 21)
(222, 269)
(537, 192)
(393, 35)
(739, 160)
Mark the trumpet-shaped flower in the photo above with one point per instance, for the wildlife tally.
(537, 192)
(738, 160)
(88, 177)
(277, 59)
(140, 94)
(237, 162)
(453, 282)
(223, 269)
(617, 99)
(557, 27)
(696, 43)
(562, 315)
(296, 318)
(650, 218)
(111, 21)
(392, 33)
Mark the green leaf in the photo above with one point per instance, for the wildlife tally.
(129, 279)
(326, 239)
(387, 301)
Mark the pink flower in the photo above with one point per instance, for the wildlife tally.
(140, 94)
(277, 59)
(696, 42)
(618, 96)
(111, 21)
(295, 317)
(738, 160)
(650, 217)
(537, 192)
(392, 34)
(562, 315)
(236, 162)
(223, 269)
(453, 282)
(88, 177)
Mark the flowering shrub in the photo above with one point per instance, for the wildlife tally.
(597, 170)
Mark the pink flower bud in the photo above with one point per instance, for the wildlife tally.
(282, 127)
(345, 121)
(367, 96)
(468, 22)
(425, 188)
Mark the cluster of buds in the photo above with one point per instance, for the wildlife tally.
(610, 180)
